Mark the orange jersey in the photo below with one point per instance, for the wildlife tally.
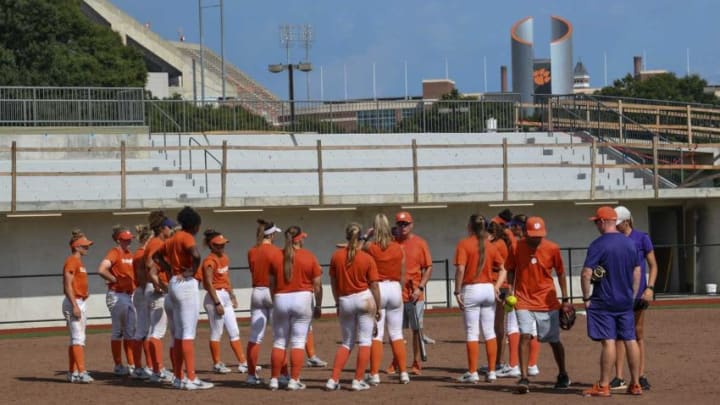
(220, 266)
(467, 254)
(260, 259)
(74, 267)
(177, 251)
(150, 248)
(504, 252)
(354, 277)
(534, 285)
(139, 267)
(305, 269)
(121, 266)
(389, 261)
(417, 258)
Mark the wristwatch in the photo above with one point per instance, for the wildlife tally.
(586, 299)
(421, 288)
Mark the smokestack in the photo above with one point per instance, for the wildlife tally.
(503, 79)
(637, 64)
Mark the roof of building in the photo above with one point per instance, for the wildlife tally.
(580, 69)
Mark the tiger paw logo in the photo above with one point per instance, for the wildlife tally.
(541, 76)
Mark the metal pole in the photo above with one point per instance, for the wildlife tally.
(202, 54)
(222, 46)
(291, 94)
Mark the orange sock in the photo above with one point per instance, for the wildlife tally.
(399, 352)
(146, 350)
(236, 346)
(534, 352)
(297, 360)
(128, 346)
(71, 360)
(177, 354)
(253, 352)
(79, 356)
(136, 350)
(116, 347)
(215, 351)
(188, 353)
(155, 352)
(310, 344)
(376, 352)
(277, 358)
(341, 356)
(491, 350)
(514, 349)
(363, 358)
(473, 350)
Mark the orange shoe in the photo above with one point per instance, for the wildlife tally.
(634, 389)
(597, 390)
(391, 369)
(416, 369)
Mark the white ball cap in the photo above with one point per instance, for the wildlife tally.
(623, 214)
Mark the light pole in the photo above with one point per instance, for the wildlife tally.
(202, 47)
(303, 67)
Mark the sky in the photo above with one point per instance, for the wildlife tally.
(467, 40)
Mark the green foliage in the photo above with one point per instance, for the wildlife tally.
(186, 116)
(51, 43)
(664, 86)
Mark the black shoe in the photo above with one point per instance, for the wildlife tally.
(618, 384)
(644, 383)
(523, 386)
(563, 381)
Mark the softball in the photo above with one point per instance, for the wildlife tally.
(511, 301)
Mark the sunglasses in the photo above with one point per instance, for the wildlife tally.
(403, 224)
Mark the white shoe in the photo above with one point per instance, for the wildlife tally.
(295, 385)
(198, 384)
(332, 385)
(273, 384)
(359, 385)
(508, 371)
(404, 378)
(490, 376)
(372, 379)
(72, 377)
(315, 361)
(161, 377)
(242, 368)
(253, 380)
(84, 378)
(121, 370)
(469, 377)
(533, 370)
(141, 374)
(220, 368)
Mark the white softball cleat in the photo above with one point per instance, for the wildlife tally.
(533, 370)
(273, 384)
(197, 384)
(315, 361)
(508, 371)
(404, 378)
(84, 378)
(295, 385)
(332, 385)
(470, 378)
(372, 379)
(490, 376)
(359, 385)
(220, 368)
(253, 380)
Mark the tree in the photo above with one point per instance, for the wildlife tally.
(664, 86)
(51, 43)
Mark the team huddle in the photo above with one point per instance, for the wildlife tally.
(504, 286)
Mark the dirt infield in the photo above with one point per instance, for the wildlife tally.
(682, 365)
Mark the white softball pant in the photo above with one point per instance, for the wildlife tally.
(260, 313)
(158, 318)
(76, 326)
(142, 309)
(122, 315)
(391, 310)
(357, 318)
(479, 312)
(292, 313)
(185, 307)
(217, 322)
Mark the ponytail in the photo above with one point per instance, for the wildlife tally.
(289, 251)
(383, 234)
(352, 235)
(478, 226)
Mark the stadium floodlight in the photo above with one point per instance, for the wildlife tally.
(304, 66)
(276, 68)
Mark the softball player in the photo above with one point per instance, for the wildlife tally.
(476, 294)
(155, 293)
(183, 260)
(354, 279)
(259, 259)
(220, 301)
(140, 343)
(117, 269)
(75, 287)
(294, 279)
(390, 260)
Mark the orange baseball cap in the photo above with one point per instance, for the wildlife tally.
(403, 216)
(299, 237)
(219, 240)
(81, 242)
(498, 220)
(535, 227)
(125, 235)
(604, 212)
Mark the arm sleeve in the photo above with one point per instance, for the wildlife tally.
(373, 274)
(460, 255)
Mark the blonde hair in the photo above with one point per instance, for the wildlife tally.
(383, 232)
(352, 235)
(289, 251)
(143, 233)
(260, 233)
(478, 225)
